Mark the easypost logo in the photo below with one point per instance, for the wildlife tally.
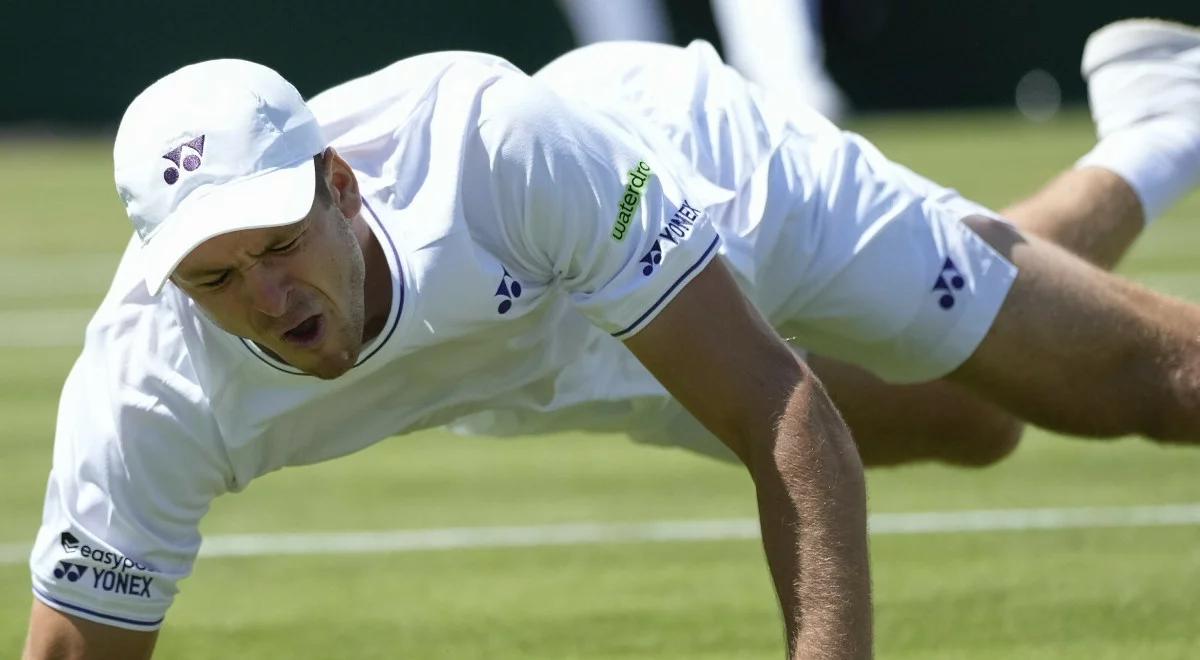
(69, 542)
(109, 559)
(639, 178)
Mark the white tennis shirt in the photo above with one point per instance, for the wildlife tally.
(528, 226)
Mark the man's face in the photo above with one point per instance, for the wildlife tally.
(295, 290)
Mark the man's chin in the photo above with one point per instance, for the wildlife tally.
(323, 365)
(325, 372)
(328, 367)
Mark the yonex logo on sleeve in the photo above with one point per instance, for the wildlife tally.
(677, 228)
(652, 259)
(680, 224)
(639, 178)
(69, 542)
(66, 569)
(948, 281)
(125, 584)
(112, 576)
(190, 162)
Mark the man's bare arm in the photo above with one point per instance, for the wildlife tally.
(57, 636)
(713, 351)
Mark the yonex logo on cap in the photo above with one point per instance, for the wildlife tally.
(68, 570)
(69, 542)
(190, 162)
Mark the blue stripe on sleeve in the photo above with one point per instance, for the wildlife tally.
(699, 262)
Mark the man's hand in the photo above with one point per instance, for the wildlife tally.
(57, 636)
(715, 354)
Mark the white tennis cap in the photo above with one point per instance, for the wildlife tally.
(212, 148)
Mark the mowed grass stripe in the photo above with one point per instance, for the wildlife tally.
(43, 328)
(54, 327)
(458, 538)
(49, 275)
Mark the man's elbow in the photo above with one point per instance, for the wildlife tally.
(799, 432)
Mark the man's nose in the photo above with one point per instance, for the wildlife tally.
(268, 290)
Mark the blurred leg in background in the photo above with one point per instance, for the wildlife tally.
(775, 43)
(617, 20)
(778, 44)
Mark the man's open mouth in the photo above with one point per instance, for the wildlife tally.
(307, 333)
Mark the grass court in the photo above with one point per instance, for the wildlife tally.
(1090, 593)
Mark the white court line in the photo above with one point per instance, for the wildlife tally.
(456, 538)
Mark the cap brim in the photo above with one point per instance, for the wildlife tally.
(271, 199)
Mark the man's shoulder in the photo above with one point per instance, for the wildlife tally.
(136, 386)
(128, 306)
(134, 338)
(402, 87)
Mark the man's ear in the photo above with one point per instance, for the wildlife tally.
(343, 185)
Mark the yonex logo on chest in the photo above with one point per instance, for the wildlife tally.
(191, 162)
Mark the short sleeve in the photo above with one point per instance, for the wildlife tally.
(621, 224)
(136, 465)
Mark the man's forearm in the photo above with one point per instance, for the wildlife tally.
(720, 358)
(812, 504)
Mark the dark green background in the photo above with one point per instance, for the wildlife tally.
(82, 62)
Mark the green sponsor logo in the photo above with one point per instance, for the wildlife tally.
(639, 178)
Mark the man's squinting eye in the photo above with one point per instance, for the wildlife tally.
(223, 277)
(285, 247)
(215, 282)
